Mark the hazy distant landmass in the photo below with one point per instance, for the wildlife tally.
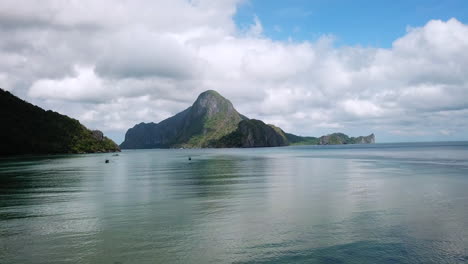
(29, 129)
(212, 121)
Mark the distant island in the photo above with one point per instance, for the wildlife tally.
(213, 122)
(29, 129)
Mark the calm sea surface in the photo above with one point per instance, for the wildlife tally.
(382, 203)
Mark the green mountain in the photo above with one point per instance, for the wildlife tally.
(340, 138)
(209, 118)
(28, 129)
(253, 133)
(212, 121)
(332, 139)
(298, 140)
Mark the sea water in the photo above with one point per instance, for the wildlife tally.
(382, 203)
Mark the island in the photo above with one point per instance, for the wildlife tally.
(213, 122)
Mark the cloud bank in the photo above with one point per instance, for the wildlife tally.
(112, 64)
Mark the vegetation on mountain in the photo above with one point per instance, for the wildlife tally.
(209, 118)
(298, 140)
(253, 133)
(28, 129)
(212, 121)
(340, 138)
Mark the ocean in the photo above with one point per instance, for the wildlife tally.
(380, 203)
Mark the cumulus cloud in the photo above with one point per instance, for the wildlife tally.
(142, 53)
(115, 64)
(83, 86)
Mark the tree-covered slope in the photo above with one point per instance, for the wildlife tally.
(28, 129)
(331, 139)
(253, 133)
(340, 138)
(298, 140)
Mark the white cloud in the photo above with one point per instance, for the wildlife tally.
(83, 86)
(142, 53)
(143, 62)
(361, 108)
(256, 29)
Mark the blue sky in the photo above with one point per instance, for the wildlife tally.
(357, 22)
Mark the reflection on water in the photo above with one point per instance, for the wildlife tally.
(397, 203)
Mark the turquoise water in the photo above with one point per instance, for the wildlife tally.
(382, 203)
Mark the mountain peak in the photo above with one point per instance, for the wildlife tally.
(210, 92)
(210, 103)
(211, 96)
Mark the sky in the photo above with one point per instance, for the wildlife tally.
(398, 69)
(352, 22)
